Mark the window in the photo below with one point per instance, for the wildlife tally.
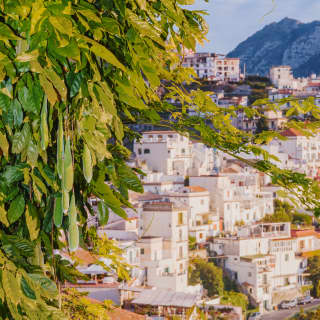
(146, 151)
(264, 279)
(180, 218)
(286, 281)
(200, 235)
(180, 252)
(202, 201)
(302, 244)
(160, 136)
(249, 274)
(166, 270)
(142, 251)
(183, 150)
(139, 151)
(286, 257)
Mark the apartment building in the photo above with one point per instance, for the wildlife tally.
(237, 200)
(213, 66)
(202, 223)
(173, 154)
(164, 245)
(281, 77)
(265, 260)
(303, 151)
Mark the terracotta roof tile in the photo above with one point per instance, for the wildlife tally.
(291, 132)
(121, 314)
(196, 189)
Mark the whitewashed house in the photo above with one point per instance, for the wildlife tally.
(202, 222)
(164, 245)
(263, 258)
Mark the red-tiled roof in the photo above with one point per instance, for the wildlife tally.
(246, 284)
(121, 314)
(229, 170)
(118, 313)
(291, 132)
(196, 189)
(83, 257)
(304, 233)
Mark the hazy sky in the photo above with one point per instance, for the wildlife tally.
(232, 21)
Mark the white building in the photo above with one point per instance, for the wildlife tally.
(202, 222)
(164, 245)
(173, 155)
(263, 260)
(235, 197)
(213, 66)
(302, 150)
(282, 77)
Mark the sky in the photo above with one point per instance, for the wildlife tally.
(233, 21)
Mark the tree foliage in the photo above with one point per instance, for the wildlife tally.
(209, 275)
(284, 212)
(314, 271)
(235, 299)
(307, 315)
(74, 77)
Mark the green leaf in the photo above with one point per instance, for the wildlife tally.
(32, 153)
(13, 174)
(103, 213)
(21, 139)
(44, 131)
(16, 209)
(33, 222)
(16, 110)
(48, 287)
(73, 237)
(104, 192)
(6, 33)
(67, 167)
(27, 290)
(28, 100)
(3, 216)
(57, 82)
(129, 178)
(111, 25)
(87, 163)
(4, 145)
(58, 211)
(62, 24)
(11, 286)
(48, 89)
(104, 53)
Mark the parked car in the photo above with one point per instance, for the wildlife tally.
(255, 316)
(288, 304)
(305, 300)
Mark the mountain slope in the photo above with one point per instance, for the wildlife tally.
(288, 42)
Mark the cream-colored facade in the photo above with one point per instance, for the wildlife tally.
(213, 66)
(202, 223)
(237, 201)
(173, 154)
(164, 245)
(264, 259)
(282, 77)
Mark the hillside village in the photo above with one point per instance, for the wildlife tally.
(197, 195)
